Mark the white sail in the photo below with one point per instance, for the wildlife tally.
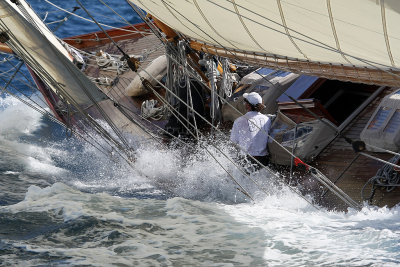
(36, 21)
(366, 29)
(43, 53)
(359, 34)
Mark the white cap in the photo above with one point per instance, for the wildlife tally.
(253, 98)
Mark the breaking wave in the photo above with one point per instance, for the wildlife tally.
(65, 203)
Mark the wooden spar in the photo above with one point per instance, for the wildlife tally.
(324, 70)
(169, 33)
(5, 49)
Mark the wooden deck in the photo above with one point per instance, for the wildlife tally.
(339, 154)
(333, 161)
(133, 44)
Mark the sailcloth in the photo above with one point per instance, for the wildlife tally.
(37, 46)
(354, 40)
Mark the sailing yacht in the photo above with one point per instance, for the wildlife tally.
(326, 70)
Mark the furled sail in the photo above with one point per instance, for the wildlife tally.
(43, 53)
(346, 40)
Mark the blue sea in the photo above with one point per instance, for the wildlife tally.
(62, 203)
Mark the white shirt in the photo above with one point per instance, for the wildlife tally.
(250, 132)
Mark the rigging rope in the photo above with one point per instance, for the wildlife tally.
(149, 109)
(38, 68)
(107, 62)
(261, 75)
(46, 113)
(204, 119)
(25, 55)
(316, 174)
(387, 177)
(176, 114)
(227, 79)
(127, 22)
(193, 109)
(112, 27)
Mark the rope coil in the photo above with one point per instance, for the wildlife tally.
(150, 110)
(107, 62)
(387, 177)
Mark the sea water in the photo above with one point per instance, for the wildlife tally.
(62, 203)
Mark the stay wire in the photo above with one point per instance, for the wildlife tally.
(34, 90)
(153, 28)
(238, 59)
(18, 47)
(44, 112)
(320, 176)
(50, 80)
(23, 74)
(204, 119)
(88, 94)
(194, 135)
(258, 73)
(126, 56)
(99, 128)
(101, 28)
(225, 102)
(236, 144)
(116, 13)
(105, 25)
(108, 38)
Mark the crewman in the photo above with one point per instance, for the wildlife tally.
(250, 131)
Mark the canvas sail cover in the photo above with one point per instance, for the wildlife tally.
(35, 44)
(354, 40)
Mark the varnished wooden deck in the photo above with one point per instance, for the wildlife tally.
(133, 44)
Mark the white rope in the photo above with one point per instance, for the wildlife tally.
(102, 81)
(150, 110)
(211, 73)
(227, 79)
(79, 60)
(386, 176)
(107, 62)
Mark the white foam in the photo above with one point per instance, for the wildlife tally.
(16, 118)
(356, 237)
(282, 229)
(16, 121)
(11, 172)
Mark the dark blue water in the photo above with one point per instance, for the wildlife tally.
(62, 203)
(75, 25)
